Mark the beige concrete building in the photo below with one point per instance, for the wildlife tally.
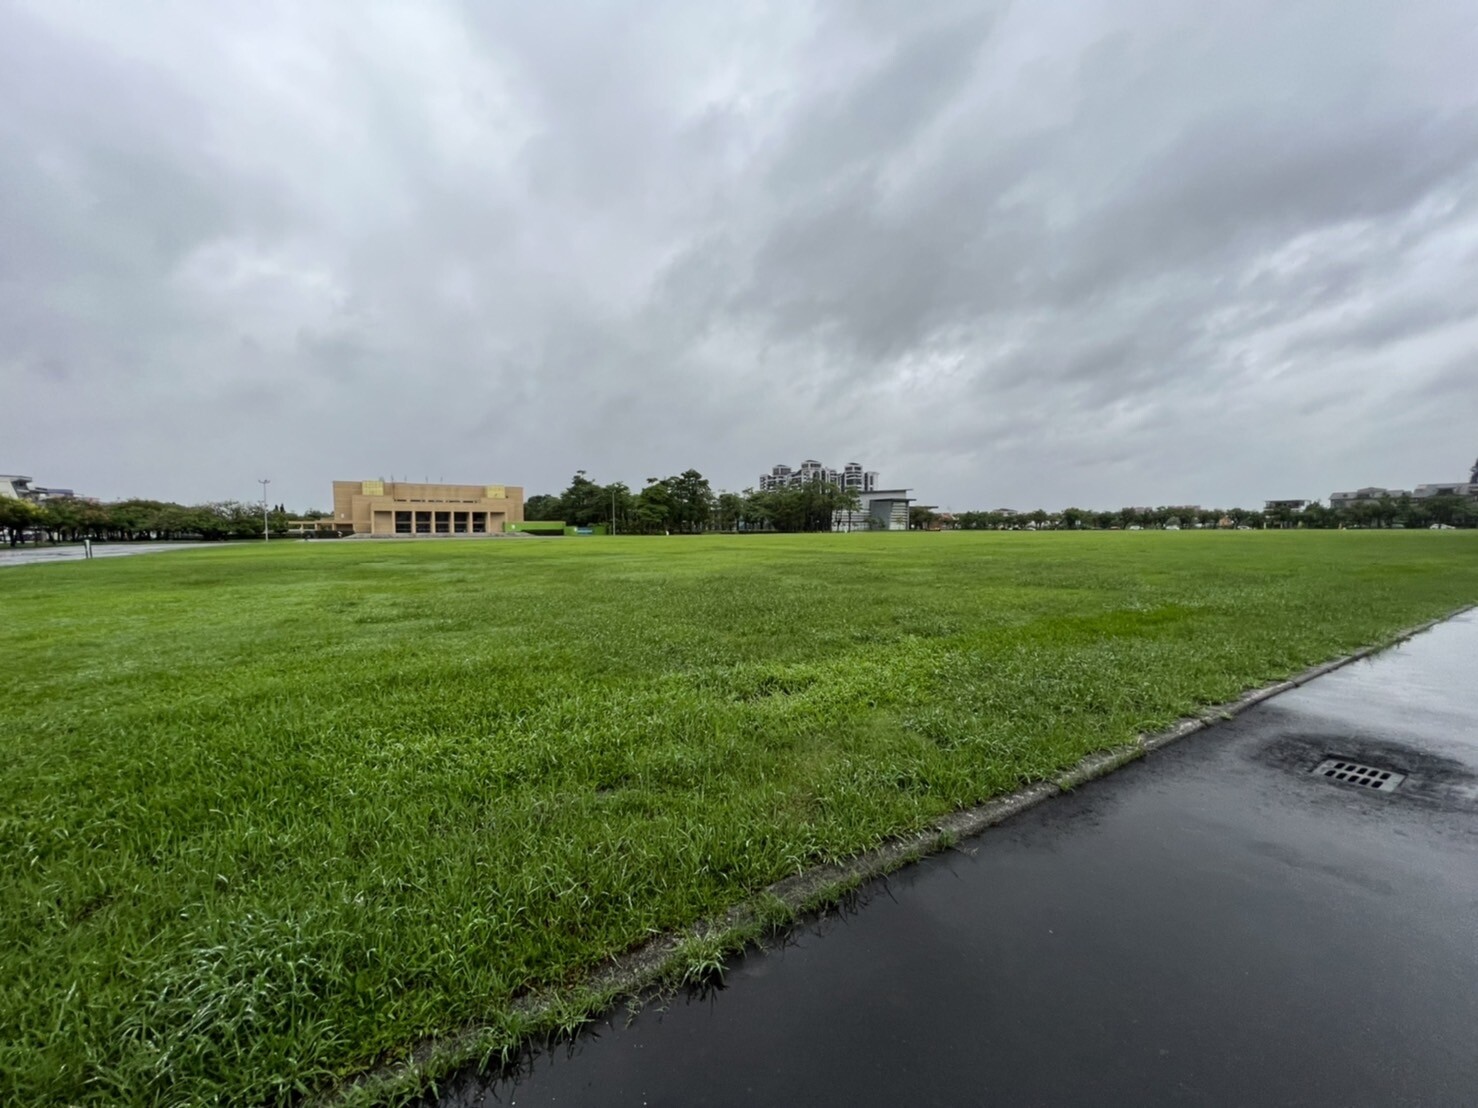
(406, 508)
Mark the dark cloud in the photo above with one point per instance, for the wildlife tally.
(1050, 253)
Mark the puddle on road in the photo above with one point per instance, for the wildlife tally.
(1430, 780)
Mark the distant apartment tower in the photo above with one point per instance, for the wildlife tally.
(851, 476)
(856, 479)
(777, 478)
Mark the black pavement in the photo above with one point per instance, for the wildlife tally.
(1211, 925)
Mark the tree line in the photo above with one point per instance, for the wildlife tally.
(1402, 511)
(687, 504)
(71, 520)
(1388, 512)
(1075, 519)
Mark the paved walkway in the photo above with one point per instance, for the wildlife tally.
(1213, 925)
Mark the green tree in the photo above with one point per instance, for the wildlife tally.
(654, 507)
(129, 519)
(620, 505)
(62, 519)
(583, 502)
(1316, 515)
(919, 518)
(1448, 510)
(730, 509)
(17, 517)
(543, 506)
(692, 500)
(755, 513)
(809, 507)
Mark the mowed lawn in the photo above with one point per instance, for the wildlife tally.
(268, 816)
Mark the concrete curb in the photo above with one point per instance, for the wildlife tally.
(662, 960)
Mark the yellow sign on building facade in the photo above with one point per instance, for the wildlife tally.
(372, 488)
(496, 492)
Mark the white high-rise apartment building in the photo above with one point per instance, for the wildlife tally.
(851, 476)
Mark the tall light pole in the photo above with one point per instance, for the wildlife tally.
(264, 482)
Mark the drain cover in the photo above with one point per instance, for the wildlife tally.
(1353, 773)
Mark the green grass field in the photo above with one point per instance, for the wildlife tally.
(269, 816)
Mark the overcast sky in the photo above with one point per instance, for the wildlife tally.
(1037, 254)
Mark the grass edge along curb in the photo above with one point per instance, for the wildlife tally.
(678, 958)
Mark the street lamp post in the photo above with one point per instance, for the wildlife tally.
(264, 482)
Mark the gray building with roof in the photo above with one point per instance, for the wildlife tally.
(13, 486)
(1373, 494)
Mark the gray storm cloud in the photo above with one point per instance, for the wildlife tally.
(1032, 254)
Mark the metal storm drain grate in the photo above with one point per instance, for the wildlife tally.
(1353, 773)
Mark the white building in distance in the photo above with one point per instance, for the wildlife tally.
(878, 510)
(15, 487)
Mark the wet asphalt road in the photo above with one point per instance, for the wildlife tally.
(32, 554)
(1212, 925)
